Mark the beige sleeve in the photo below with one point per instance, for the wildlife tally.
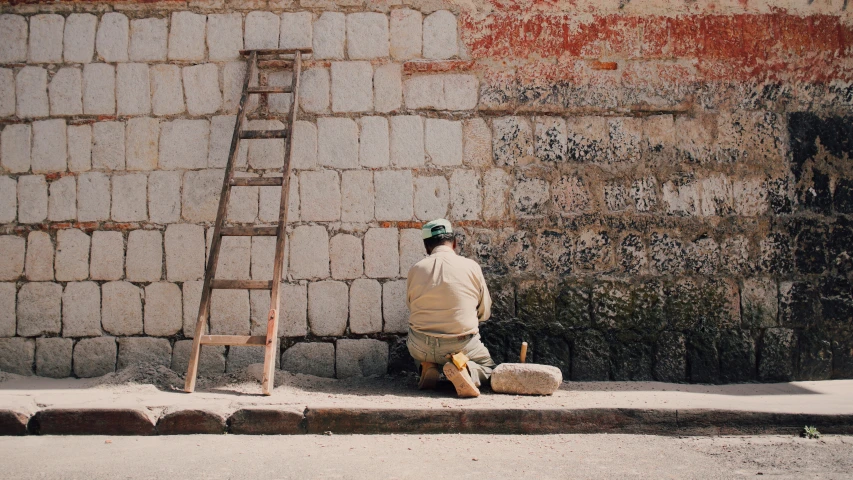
(484, 308)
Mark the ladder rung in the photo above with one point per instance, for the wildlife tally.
(277, 51)
(275, 63)
(262, 134)
(242, 284)
(256, 340)
(256, 181)
(249, 231)
(269, 89)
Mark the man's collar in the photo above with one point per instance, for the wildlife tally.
(442, 249)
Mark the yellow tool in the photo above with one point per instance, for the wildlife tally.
(523, 355)
(460, 360)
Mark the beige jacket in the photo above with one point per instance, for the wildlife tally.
(447, 295)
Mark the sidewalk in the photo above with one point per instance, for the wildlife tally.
(119, 404)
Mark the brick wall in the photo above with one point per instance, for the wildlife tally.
(656, 190)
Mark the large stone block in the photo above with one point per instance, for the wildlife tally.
(201, 86)
(465, 198)
(551, 139)
(394, 308)
(211, 360)
(759, 303)
(99, 87)
(62, 203)
(441, 92)
(12, 260)
(186, 37)
(229, 312)
(367, 35)
(66, 92)
(46, 38)
(72, 255)
(144, 256)
(374, 142)
(121, 308)
(328, 307)
(388, 87)
(345, 255)
(309, 252)
(39, 256)
(183, 144)
(79, 37)
(142, 141)
(361, 358)
(262, 30)
(81, 310)
(53, 357)
(17, 355)
(310, 358)
(352, 86)
(130, 198)
(201, 195)
(529, 198)
(107, 256)
(670, 364)
(329, 36)
(191, 294)
(357, 196)
(440, 35)
(108, 148)
(235, 258)
(113, 37)
(133, 351)
(39, 309)
(296, 30)
(167, 94)
(314, 90)
(590, 357)
(31, 92)
(163, 309)
(49, 146)
(381, 253)
(304, 146)
(293, 311)
(7, 92)
(133, 89)
(240, 358)
(406, 34)
(148, 39)
(512, 141)
(93, 197)
(16, 148)
(443, 142)
(394, 193)
(263, 254)
(412, 249)
(224, 36)
(526, 379)
(185, 248)
(407, 141)
(496, 185)
(13, 28)
(320, 193)
(9, 200)
(337, 145)
(777, 355)
(79, 148)
(266, 154)
(8, 317)
(95, 357)
(365, 306)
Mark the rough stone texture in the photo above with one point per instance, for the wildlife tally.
(99, 86)
(107, 256)
(526, 379)
(31, 88)
(388, 88)
(7, 92)
(262, 30)
(440, 36)
(327, 308)
(759, 305)
(186, 36)
(79, 37)
(329, 36)
(72, 255)
(17, 355)
(53, 357)
(337, 142)
(229, 312)
(148, 39)
(407, 141)
(320, 193)
(365, 306)
(443, 142)
(184, 244)
(361, 358)
(394, 193)
(93, 197)
(108, 148)
(367, 36)
(66, 92)
(16, 148)
(113, 37)
(32, 199)
(167, 95)
(95, 357)
(9, 200)
(81, 311)
(133, 91)
(130, 198)
(142, 141)
(201, 195)
(211, 361)
(121, 308)
(406, 34)
(201, 86)
(357, 189)
(39, 257)
(12, 260)
(162, 309)
(296, 30)
(431, 198)
(46, 38)
(143, 351)
(310, 358)
(49, 146)
(14, 31)
(352, 87)
(309, 252)
(8, 319)
(224, 36)
(412, 249)
(144, 256)
(183, 144)
(62, 203)
(345, 255)
(381, 254)
(373, 142)
(79, 148)
(314, 90)
(394, 307)
(39, 309)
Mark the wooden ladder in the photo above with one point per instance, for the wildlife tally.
(270, 340)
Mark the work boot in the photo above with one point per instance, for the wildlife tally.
(429, 376)
(461, 379)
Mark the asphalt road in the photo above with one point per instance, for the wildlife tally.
(453, 457)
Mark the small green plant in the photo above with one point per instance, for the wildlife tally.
(810, 432)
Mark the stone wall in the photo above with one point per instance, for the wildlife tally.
(656, 190)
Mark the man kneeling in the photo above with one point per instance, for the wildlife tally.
(448, 298)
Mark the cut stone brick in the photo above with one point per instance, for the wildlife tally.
(269, 199)
(142, 138)
(46, 38)
(394, 193)
(394, 307)
(211, 360)
(31, 92)
(167, 95)
(352, 86)
(512, 141)
(121, 308)
(235, 258)
(113, 36)
(345, 254)
(32, 199)
(279, 102)
(365, 307)
(431, 198)
(72, 255)
(39, 309)
(388, 87)
(374, 148)
(309, 252)
(201, 85)
(530, 197)
(130, 198)
(133, 90)
(361, 358)
(310, 358)
(143, 351)
(53, 357)
(8, 292)
(148, 37)
(93, 197)
(183, 144)
(162, 309)
(759, 303)
(9, 200)
(304, 146)
(17, 354)
(262, 30)
(108, 146)
(551, 139)
(79, 148)
(293, 311)
(357, 196)
(13, 29)
(186, 37)
(295, 30)
(406, 34)
(477, 149)
(266, 154)
(425, 92)
(460, 91)
(320, 195)
(407, 141)
(50, 152)
(337, 144)
(526, 379)
(221, 130)
(411, 249)
(233, 74)
(329, 36)
(95, 357)
(443, 142)
(191, 293)
(12, 260)
(314, 90)
(367, 35)
(81, 310)
(107, 256)
(328, 307)
(229, 312)
(570, 196)
(7, 92)
(99, 89)
(381, 253)
(39, 265)
(243, 204)
(440, 35)
(66, 92)
(201, 195)
(16, 148)
(263, 254)
(185, 249)
(224, 36)
(144, 262)
(79, 37)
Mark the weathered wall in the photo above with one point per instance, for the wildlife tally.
(656, 190)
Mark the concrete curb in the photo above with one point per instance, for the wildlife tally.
(294, 421)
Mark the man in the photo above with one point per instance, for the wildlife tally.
(448, 298)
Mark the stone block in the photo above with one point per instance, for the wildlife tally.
(243, 204)
(233, 74)
(201, 85)
(39, 256)
(279, 102)
(81, 310)
(72, 255)
(39, 309)
(460, 91)
(551, 139)
(79, 148)
(8, 317)
(394, 192)
(411, 249)
(358, 196)
(431, 197)
(12, 260)
(296, 30)
(163, 309)
(183, 144)
(365, 306)
(191, 294)
(9, 199)
(407, 141)
(759, 303)
(66, 92)
(201, 195)
(185, 252)
(46, 38)
(293, 311)
(99, 86)
(269, 199)
(229, 312)
(108, 146)
(374, 142)
(95, 357)
(314, 90)
(367, 35)
(361, 358)
(590, 357)
(443, 142)
(133, 91)
(496, 183)
(394, 308)
(32, 199)
(93, 197)
(167, 94)
(310, 358)
(262, 30)
(79, 37)
(263, 254)
(113, 37)
(148, 39)
(130, 198)
(121, 308)
(7, 92)
(13, 29)
(304, 146)
(221, 130)
(320, 194)
(16, 148)
(17, 354)
(329, 36)
(107, 256)
(144, 256)
(142, 141)
(337, 142)
(49, 146)
(777, 355)
(388, 88)
(266, 154)
(530, 197)
(53, 357)
(526, 379)
(345, 255)
(352, 87)
(328, 307)
(224, 36)
(31, 92)
(569, 195)
(440, 35)
(406, 34)
(138, 351)
(512, 141)
(211, 359)
(465, 199)
(186, 36)
(309, 252)
(235, 258)
(381, 253)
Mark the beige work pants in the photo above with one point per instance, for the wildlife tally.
(425, 348)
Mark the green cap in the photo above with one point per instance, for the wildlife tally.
(436, 227)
